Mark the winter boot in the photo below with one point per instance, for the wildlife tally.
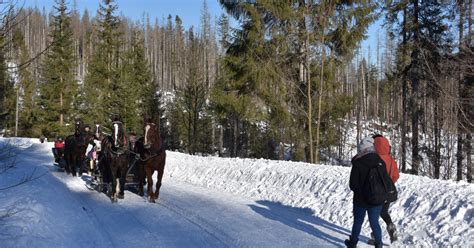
(371, 240)
(350, 243)
(392, 231)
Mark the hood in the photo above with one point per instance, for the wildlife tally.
(382, 146)
(366, 146)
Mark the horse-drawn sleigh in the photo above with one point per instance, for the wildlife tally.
(117, 161)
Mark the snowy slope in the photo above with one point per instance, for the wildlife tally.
(217, 202)
(428, 212)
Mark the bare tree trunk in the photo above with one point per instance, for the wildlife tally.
(17, 110)
(437, 137)
(320, 95)
(358, 108)
(469, 135)
(236, 137)
(310, 109)
(221, 140)
(61, 104)
(404, 99)
(415, 95)
(468, 157)
(459, 155)
(213, 134)
(377, 101)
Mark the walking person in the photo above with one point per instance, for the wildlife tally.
(365, 159)
(382, 147)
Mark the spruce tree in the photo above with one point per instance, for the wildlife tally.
(425, 43)
(137, 89)
(102, 82)
(58, 87)
(5, 87)
(191, 98)
(277, 61)
(27, 88)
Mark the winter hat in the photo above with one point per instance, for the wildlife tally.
(366, 146)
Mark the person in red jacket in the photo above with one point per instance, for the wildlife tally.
(382, 147)
(58, 149)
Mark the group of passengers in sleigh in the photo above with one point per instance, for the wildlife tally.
(116, 159)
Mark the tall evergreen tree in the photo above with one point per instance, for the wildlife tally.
(102, 81)
(191, 98)
(5, 86)
(137, 89)
(27, 88)
(58, 87)
(425, 42)
(281, 50)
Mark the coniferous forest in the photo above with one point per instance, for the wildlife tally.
(263, 76)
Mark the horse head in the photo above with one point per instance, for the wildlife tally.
(97, 131)
(118, 135)
(78, 128)
(151, 135)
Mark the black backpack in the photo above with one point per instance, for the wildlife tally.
(378, 187)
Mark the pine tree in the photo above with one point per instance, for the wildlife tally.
(58, 87)
(180, 52)
(26, 87)
(5, 86)
(191, 98)
(281, 51)
(102, 82)
(425, 42)
(137, 89)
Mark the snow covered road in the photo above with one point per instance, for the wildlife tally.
(192, 216)
(57, 210)
(216, 202)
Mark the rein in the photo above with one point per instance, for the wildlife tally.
(137, 155)
(118, 152)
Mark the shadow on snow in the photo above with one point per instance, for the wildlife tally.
(301, 219)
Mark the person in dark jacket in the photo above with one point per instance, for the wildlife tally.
(361, 163)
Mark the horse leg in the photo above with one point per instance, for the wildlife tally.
(123, 178)
(158, 182)
(82, 164)
(118, 185)
(149, 174)
(73, 166)
(141, 178)
(94, 168)
(91, 167)
(68, 162)
(115, 184)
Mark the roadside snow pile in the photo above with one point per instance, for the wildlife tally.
(428, 212)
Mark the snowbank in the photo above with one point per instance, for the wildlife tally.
(428, 212)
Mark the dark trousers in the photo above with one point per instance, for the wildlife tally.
(384, 214)
(359, 215)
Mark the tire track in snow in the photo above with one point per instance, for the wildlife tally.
(88, 210)
(199, 222)
(88, 198)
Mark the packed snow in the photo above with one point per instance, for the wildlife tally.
(217, 202)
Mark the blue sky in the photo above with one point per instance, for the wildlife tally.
(188, 10)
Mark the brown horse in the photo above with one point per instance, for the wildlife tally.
(74, 150)
(152, 158)
(114, 161)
